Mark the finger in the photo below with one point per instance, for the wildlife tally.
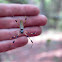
(9, 45)
(18, 10)
(9, 22)
(11, 34)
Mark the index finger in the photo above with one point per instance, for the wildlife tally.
(18, 10)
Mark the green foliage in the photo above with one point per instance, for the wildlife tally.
(60, 25)
(48, 41)
(50, 22)
(4, 1)
(18, 1)
(37, 2)
(48, 2)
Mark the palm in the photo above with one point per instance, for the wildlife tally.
(9, 28)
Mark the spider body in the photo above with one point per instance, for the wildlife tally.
(21, 27)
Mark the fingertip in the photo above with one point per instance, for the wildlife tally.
(39, 31)
(43, 20)
(21, 41)
(36, 10)
(25, 40)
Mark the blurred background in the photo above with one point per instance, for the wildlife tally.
(47, 47)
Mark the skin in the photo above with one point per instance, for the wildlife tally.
(8, 26)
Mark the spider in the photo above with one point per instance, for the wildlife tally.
(22, 30)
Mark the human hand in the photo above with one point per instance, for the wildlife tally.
(9, 28)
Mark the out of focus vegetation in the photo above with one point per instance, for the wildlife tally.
(51, 8)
